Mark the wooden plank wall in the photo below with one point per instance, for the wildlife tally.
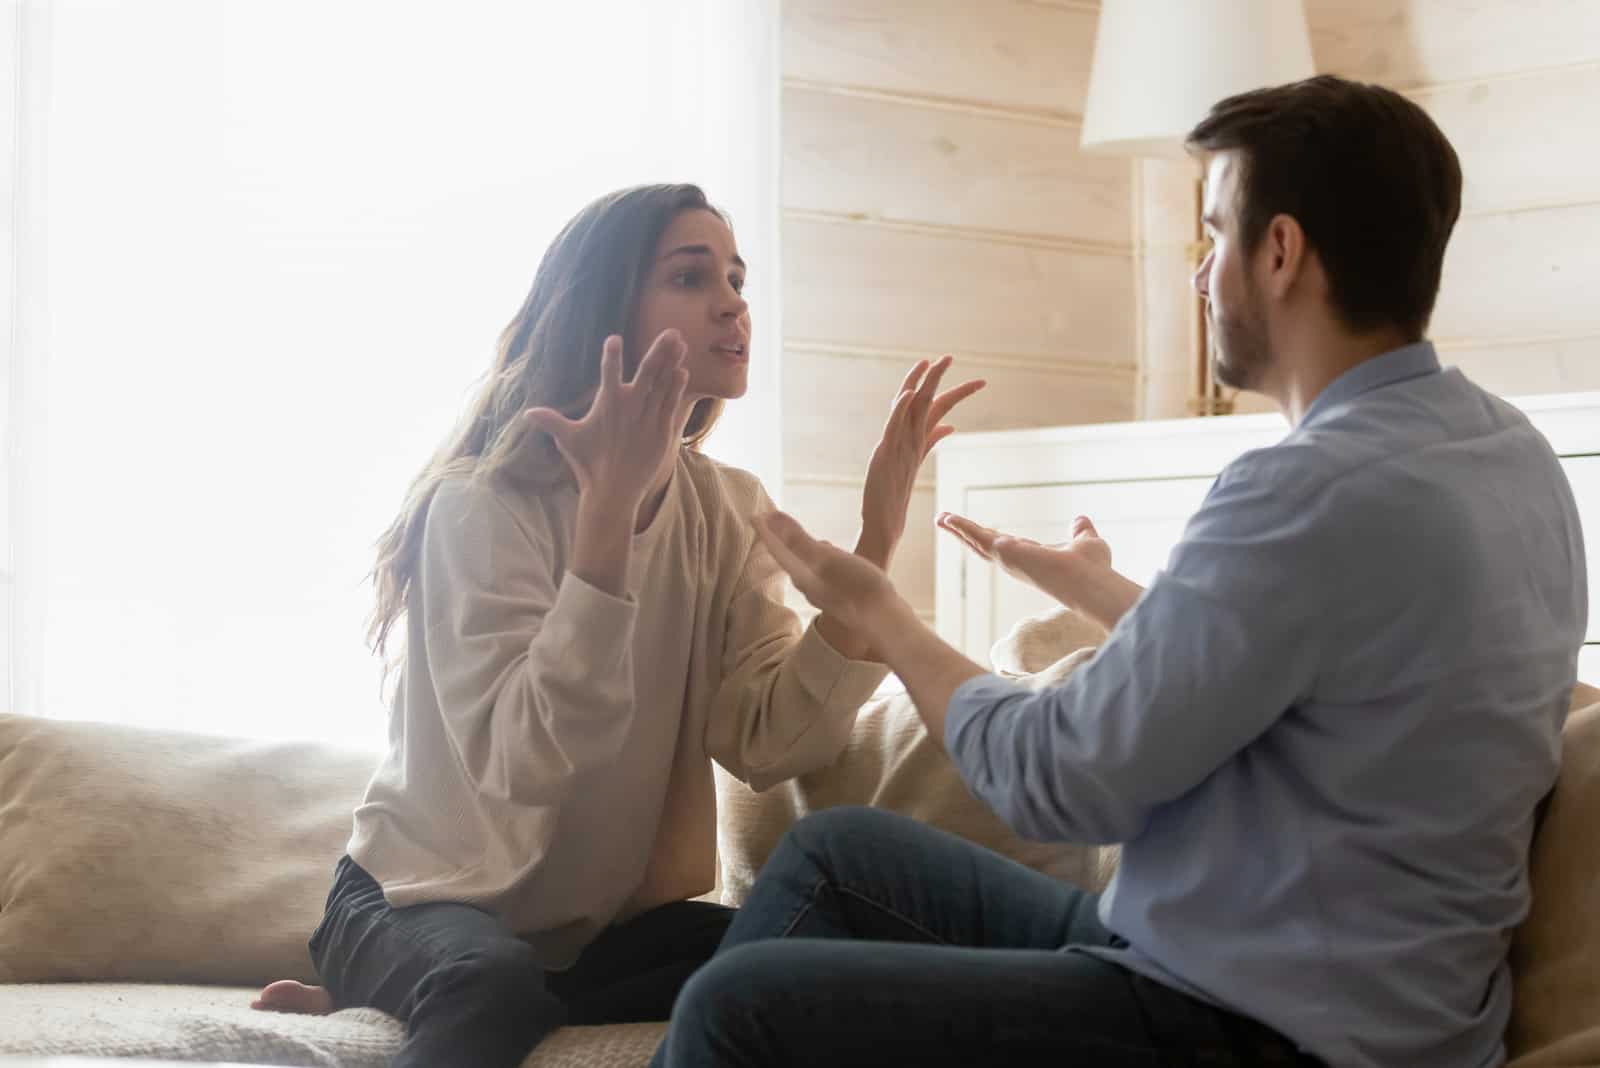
(934, 200)
(1515, 85)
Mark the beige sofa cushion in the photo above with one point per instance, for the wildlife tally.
(1036, 643)
(891, 763)
(215, 1024)
(140, 855)
(1555, 1018)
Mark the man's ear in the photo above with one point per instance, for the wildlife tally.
(1284, 247)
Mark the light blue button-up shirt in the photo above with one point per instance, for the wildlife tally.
(1322, 732)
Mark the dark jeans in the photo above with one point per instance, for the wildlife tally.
(871, 939)
(473, 994)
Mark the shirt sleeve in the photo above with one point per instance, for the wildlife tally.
(533, 677)
(788, 700)
(1223, 643)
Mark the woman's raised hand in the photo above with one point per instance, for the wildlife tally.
(621, 444)
(915, 425)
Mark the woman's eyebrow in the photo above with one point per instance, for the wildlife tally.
(700, 250)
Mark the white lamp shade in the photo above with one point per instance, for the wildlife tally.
(1159, 65)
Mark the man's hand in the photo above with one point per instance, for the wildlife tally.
(1076, 572)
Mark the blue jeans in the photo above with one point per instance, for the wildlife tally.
(472, 994)
(871, 939)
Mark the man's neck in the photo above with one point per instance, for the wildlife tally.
(1304, 371)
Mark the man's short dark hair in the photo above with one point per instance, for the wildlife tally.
(1366, 173)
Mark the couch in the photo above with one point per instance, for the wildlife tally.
(152, 881)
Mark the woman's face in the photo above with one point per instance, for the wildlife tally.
(693, 286)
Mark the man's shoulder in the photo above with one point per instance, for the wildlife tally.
(1369, 439)
(1289, 472)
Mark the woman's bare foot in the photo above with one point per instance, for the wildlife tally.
(286, 995)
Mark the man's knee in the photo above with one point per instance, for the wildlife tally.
(730, 982)
(845, 825)
(835, 838)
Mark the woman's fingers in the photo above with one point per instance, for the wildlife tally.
(551, 422)
(952, 397)
(936, 435)
(665, 354)
(671, 395)
(610, 365)
(788, 543)
(897, 413)
(930, 387)
(908, 384)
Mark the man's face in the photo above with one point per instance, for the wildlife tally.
(1240, 352)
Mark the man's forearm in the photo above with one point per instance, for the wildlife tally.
(1099, 593)
(931, 670)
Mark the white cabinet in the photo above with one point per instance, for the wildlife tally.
(1584, 474)
(1140, 482)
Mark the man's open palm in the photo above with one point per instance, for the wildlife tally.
(1047, 567)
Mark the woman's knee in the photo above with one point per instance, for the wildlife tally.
(499, 973)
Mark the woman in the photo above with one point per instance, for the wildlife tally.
(589, 621)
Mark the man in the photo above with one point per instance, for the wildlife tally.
(1320, 734)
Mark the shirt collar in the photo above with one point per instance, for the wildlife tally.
(1397, 365)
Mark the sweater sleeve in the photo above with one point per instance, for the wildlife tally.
(533, 676)
(788, 699)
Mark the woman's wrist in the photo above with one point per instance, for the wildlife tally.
(603, 542)
(876, 547)
(891, 622)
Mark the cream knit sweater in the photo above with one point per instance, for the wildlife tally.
(550, 745)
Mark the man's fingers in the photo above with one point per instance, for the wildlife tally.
(976, 549)
(977, 532)
(1028, 557)
(968, 532)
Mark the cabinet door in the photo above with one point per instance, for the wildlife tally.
(1584, 474)
(1140, 520)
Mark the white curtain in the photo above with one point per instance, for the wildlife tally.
(261, 251)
